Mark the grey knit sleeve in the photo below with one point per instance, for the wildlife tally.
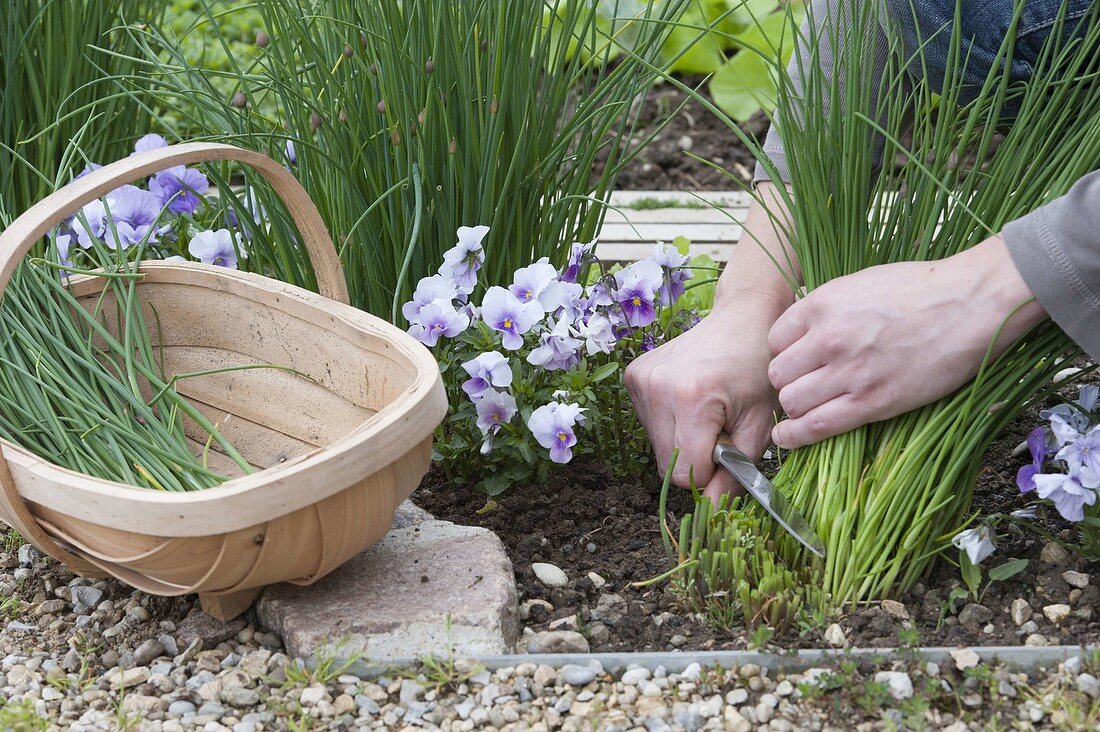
(825, 16)
(1056, 248)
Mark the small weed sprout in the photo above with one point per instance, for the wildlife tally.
(728, 571)
(329, 663)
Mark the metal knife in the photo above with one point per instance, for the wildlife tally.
(774, 502)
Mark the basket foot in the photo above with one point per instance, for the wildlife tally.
(227, 606)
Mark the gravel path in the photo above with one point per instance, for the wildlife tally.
(79, 655)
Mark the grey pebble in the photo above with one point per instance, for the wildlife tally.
(240, 696)
(180, 707)
(149, 650)
(576, 675)
(85, 598)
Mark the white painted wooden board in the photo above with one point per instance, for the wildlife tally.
(639, 219)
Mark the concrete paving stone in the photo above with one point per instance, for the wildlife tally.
(432, 587)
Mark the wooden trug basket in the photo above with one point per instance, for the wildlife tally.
(335, 452)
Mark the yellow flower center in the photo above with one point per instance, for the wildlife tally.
(528, 294)
(636, 301)
(562, 436)
(507, 322)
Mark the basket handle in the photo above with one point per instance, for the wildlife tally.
(37, 221)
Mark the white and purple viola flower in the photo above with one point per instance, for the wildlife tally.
(152, 141)
(494, 409)
(462, 261)
(673, 263)
(558, 349)
(1069, 492)
(529, 282)
(508, 315)
(428, 290)
(438, 319)
(599, 334)
(1071, 444)
(636, 288)
(486, 371)
(977, 543)
(180, 188)
(127, 218)
(579, 255)
(553, 428)
(218, 248)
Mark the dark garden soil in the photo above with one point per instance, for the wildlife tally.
(584, 521)
(665, 163)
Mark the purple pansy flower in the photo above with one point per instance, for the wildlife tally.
(669, 259)
(494, 409)
(552, 426)
(214, 247)
(636, 287)
(530, 281)
(558, 349)
(179, 187)
(438, 319)
(428, 290)
(152, 141)
(1070, 492)
(1037, 444)
(977, 543)
(579, 255)
(503, 312)
(462, 261)
(133, 212)
(486, 371)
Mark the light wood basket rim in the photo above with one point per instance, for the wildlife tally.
(253, 499)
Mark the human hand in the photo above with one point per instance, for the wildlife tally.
(709, 380)
(892, 338)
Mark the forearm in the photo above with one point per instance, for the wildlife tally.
(763, 266)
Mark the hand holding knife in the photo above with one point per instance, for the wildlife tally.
(761, 489)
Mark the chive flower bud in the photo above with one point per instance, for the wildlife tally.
(240, 101)
(262, 39)
(315, 121)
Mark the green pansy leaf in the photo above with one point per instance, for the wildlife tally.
(1008, 569)
(603, 372)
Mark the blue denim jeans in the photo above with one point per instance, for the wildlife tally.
(983, 28)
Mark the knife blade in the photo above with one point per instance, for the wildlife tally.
(774, 502)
